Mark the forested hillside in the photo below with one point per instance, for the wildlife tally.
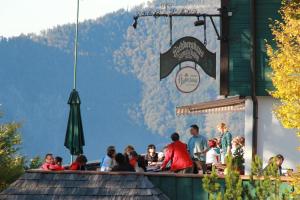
(123, 101)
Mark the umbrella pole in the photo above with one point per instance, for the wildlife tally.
(75, 56)
(75, 48)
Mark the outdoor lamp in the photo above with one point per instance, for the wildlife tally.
(199, 22)
(135, 22)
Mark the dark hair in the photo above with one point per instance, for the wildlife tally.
(194, 126)
(133, 154)
(58, 159)
(81, 159)
(175, 137)
(128, 148)
(279, 156)
(120, 158)
(48, 154)
(151, 146)
(111, 151)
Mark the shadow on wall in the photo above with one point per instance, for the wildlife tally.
(273, 138)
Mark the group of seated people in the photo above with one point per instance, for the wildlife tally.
(55, 164)
(199, 155)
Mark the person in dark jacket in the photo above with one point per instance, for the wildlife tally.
(178, 154)
(152, 156)
(122, 165)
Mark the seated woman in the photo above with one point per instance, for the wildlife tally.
(151, 157)
(137, 162)
(127, 151)
(109, 160)
(79, 163)
(48, 162)
(122, 165)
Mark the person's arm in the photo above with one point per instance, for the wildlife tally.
(168, 157)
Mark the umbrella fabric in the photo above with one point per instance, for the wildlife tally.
(74, 139)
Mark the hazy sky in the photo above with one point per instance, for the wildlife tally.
(26, 16)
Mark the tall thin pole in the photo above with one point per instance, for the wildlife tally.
(75, 48)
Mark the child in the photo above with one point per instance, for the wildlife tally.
(58, 164)
(213, 155)
(49, 162)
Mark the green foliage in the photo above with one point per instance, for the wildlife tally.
(211, 185)
(34, 163)
(11, 163)
(266, 182)
(238, 159)
(234, 186)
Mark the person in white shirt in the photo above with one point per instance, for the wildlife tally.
(108, 162)
(213, 154)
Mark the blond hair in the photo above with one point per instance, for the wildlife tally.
(222, 126)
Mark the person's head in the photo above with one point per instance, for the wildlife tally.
(222, 127)
(111, 151)
(279, 159)
(235, 142)
(133, 154)
(242, 141)
(175, 137)
(151, 149)
(120, 158)
(194, 130)
(212, 143)
(58, 160)
(128, 149)
(49, 158)
(81, 159)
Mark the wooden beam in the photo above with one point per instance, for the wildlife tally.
(224, 49)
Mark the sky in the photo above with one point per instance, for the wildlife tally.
(32, 16)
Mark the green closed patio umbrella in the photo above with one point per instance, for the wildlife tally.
(74, 140)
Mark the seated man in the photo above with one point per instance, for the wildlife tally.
(109, 160)
(178, 153)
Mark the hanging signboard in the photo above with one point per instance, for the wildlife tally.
(188, 49)
(187, 79)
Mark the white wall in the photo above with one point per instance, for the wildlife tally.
(273, 138)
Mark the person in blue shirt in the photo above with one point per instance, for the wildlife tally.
(197, 146)
(226, 139)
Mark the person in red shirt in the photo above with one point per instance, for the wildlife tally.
(49, 162)
(177, 153)
(79, 163)
(58, 164)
